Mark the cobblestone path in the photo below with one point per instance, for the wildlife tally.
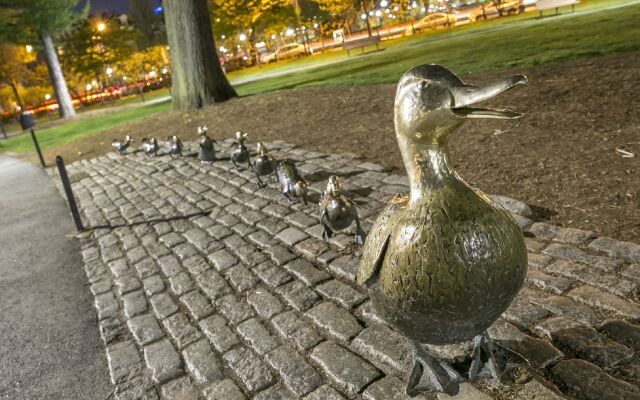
(231, 292)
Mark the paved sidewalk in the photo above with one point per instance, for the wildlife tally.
(248, 301)
(50, 347)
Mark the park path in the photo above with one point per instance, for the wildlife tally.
(50, 347)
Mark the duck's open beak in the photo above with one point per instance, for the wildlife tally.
(467, 95)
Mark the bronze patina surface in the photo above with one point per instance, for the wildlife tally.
(207, 151)
(150, 146)
(264, 164)
(240, 152)
(442, 263)
(337, 212)
(174, 146)
(291, 181)
(121, 145)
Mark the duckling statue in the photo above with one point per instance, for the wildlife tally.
(150, 146)
(207, 151)
(264, 164)
(240, 153)
(121, 145)
(291, 182)
(442, 263)
(174, 146)
(338, 212)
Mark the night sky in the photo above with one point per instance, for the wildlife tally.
(113, 6)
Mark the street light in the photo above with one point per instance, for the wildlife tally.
(101, 26)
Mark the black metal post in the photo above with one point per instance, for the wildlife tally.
(35, 142)
(67, 190)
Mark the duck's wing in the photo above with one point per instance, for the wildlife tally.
(375, 246)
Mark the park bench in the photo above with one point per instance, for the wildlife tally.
(361, 43)
(542, 5)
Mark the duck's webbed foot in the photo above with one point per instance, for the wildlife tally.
(428, 373)
(483, 363)
(260, 183)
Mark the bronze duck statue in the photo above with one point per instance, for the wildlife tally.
(337, 212)
(150, 146)
(121, 145)
(174, 146)
(442, 263)
(240, 153)
(291, 181)
(264, 164)
(207, 151)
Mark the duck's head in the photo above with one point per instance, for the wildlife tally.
(127, 139)
(262, 149)
(241, 137)
(202, 130)
(334, 186)
(432, 101)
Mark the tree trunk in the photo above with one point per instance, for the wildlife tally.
(65, 106)
(197, 78)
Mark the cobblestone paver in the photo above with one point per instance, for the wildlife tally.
(207, 286)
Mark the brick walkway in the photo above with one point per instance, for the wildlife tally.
(233, 294)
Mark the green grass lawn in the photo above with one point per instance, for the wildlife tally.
(78, 129)
(518, 41)
(521, 41)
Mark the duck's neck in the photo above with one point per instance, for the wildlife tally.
(428, 167)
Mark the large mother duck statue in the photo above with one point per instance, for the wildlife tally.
(442, 263)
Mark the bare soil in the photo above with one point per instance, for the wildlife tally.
(563, 157)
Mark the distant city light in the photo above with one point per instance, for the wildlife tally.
(245, 58)
(314, 25)
(290, 32)
(152, 74)
(223, 36)
(89, 86)
(383, 3)
(47, 97)
(109, 71)
(101, 26)
(378, 13)
(363, 16)
(243, 37)
(29, 48)
(395, 8)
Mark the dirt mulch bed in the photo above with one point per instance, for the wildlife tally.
(561, 157)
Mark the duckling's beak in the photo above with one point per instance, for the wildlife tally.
(467, 95)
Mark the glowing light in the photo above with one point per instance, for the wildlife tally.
(395, 8)
(29, 48)
(314, 25)
(223, 36)
(164, 71)
(88, 87)
(152, 74)
(109, 71)
(94, 82)
(290, 32)
(273, 37)
(384, 3)
(363, 16)
(378, 13)
(223, 49)
(101, 26)
(47, 97)
(243, 37)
